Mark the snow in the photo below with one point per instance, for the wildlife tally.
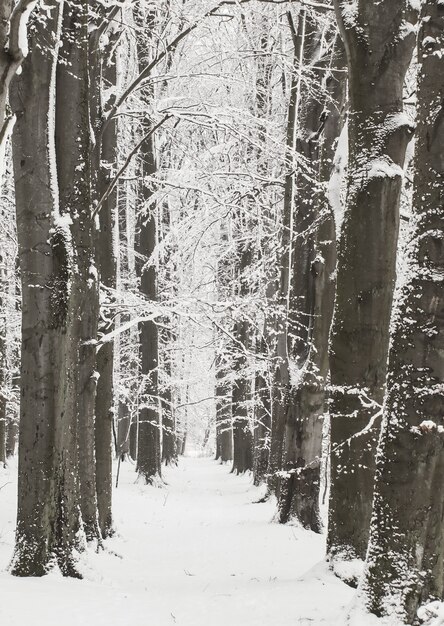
(348, 570)
(23, 28)
(197, 552)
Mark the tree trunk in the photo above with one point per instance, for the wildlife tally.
(262, 428)
(3, 380)
(241, 394)
(169, 438)
(169, 442)
(281, 367)
(406, 550)
(73, 145)
(242, 434)
(149, 452)
(379, 50)
(103, 76)
(48, 501)
(224, 432)
(148, 455)
(314, 270)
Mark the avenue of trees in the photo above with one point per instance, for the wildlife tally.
(222, 228)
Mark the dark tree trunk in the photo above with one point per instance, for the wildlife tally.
(406, 549)
(262, 428)
(242, 434)
(241, 393)
(169, 440)
(103, 76)
(11, 437)
(3, 381)
(379, 51)
(168, 337)
(73, 147)
(48, 500)
(224, 432)
(281, 368)
(149, 454)
(314, 265)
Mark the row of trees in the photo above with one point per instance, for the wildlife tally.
(208, 199)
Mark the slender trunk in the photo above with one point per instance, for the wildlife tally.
(149, 455)
(224, 433)
(3, 380)
(103, 76)
(149, 452)
(379, 50)
(406, 549)
(169, 438)
(281, 367)
(11, 436)
(262, 428)
(169, 442)
(241, 394)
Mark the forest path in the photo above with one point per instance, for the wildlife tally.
(198, 552)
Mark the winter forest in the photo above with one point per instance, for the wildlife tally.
(222, 312)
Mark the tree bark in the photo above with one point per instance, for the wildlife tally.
(314, 270)
(103, 76)
(241, 393)
(168, 337)
(48, 500)
(149, 451)
(3, 380)
(379, 41)
(224, 432)
(406, 549)
(281, 367)
(73, 146)
(262, 427)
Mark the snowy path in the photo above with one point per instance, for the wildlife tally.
(199, 552)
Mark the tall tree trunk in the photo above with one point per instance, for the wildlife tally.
(73, 146)
(169, 442)
(281, 367)
(126, 365)
(406, 549)
(169, 438)
(262, 426)
(314, 270)
(149, 452)
(103, 76)
(224, 432)
(48, 501)
(3, 419)
(379, 48)
(224, 390)
(241, 393)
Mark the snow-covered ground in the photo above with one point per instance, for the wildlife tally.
(198, 552)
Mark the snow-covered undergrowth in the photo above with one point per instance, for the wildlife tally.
(198, 552)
